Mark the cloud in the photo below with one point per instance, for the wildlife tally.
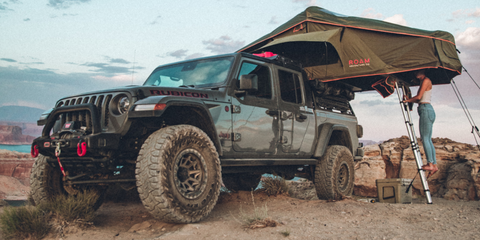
(273, 20)
(307, 3)
(458, 13)
(107, 69)
(69, 15)
(8, 60)
(371, 103)
(32, 63)
(118, 78)
(462, 13)
(26, 104)
(370, 13)
(156, 20)
(224, 44)
(4, 4)
(195, 55)
(44, 87)
(181, 53)
(397, 19)
(119, 60)
(469, 39)
(64, 4)
(475, 13)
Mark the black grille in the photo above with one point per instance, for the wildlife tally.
(83, 117)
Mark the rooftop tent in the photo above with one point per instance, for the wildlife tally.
(360, 51)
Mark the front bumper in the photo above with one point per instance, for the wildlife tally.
(98, 144)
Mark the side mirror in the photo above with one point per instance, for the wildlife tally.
(248, 83)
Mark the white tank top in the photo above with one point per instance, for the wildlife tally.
(427, 97)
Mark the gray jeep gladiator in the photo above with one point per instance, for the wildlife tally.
(194, 125)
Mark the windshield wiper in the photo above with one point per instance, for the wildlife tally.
(187, 86)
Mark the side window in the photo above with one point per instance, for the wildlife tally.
(290, 87)
(264, 79)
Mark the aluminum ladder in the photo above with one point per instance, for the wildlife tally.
(413, 140)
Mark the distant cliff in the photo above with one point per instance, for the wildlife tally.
(12, 135)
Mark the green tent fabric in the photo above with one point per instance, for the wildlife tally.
(360, 51)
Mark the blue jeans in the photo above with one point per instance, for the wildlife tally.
(427, 118)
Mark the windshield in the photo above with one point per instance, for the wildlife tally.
(201, 72)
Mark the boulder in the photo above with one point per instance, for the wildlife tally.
(458, 176)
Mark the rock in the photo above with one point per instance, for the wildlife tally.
(13, 135)
(140, 226)
(12, 188)
(15, 164)
(458, 176)
(369, 169)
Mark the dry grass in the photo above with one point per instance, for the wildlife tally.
(26, 222)
(258, 218)
(274, 185)
(71, 208)
(63, 212)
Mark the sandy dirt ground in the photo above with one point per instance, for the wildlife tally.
(297, 219)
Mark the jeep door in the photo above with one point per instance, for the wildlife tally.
(255, 132)
(294, 119)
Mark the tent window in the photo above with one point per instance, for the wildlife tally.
(308, 53)
(290, 87)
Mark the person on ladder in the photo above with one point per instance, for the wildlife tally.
(427, 118)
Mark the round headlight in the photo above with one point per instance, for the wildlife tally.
(123, 105)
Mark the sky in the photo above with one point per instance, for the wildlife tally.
(55, 48)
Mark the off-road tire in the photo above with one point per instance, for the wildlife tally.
(335, 173)
(241, 181)
(46, 183)
(178, 174)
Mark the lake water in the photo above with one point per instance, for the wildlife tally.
(18, 148)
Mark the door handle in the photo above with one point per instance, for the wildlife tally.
(301, 117)
(272, 112)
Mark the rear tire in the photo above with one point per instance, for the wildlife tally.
(335, 173)
(178, 174)
(46, 182)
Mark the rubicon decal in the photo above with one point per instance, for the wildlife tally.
(359, 62)
(178, 93)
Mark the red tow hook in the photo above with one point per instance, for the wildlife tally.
(34, 151)
(82, 149)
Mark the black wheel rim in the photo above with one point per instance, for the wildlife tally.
(190, 173)
(343, 177)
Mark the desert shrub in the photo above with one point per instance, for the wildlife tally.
(274, 185)
(24, 222)
(70, 208)
(285, 233)
(258, 214)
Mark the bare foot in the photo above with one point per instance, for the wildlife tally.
(433, 169)
(428, 167)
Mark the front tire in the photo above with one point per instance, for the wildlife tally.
(335, 174)
(46, 182)
(178, 174)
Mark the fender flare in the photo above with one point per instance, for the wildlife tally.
(325, 132)
(202, 108)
